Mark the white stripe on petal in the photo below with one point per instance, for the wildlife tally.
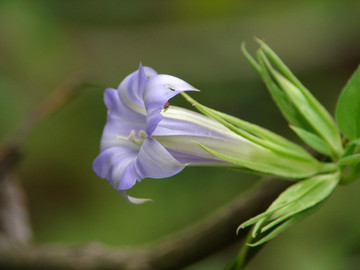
(155, 161)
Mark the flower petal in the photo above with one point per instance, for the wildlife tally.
(103, 161)
(155, 161)
(112, 162)
(186, 148)
(180, 121)
(117, 107)
(121, 119)
(132, 87)
(158, 90)
(123, 175)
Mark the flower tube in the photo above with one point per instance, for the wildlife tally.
(145, 137)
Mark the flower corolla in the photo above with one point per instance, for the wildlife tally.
(145, 137)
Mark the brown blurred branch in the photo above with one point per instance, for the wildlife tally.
(179, 250)
(15, 230)
(57, 99)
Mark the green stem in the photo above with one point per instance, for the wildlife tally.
(245, 254)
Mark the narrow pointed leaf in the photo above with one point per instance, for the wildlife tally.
(251, 60)
(310, 192)
(296, 199)
(313, 141)
(348, 107)
(351, 175)
(322, 128)
(353, 159)
(286, 107)
(279, 63)
(307, 105)
(354, 142)
(282, 227)
(319, 186)
(292, 78)
(285, 198)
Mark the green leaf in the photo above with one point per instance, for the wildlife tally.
(296, 103)
(353, 159)
(290, 195)
(279, 63)
(291, 204)
(282, 227)
(304, 194)
(310, 109)
(314, 103)
(350, 162)
(351, 148)
(354, 142)
(350, 174)
(251, 60)
(348, 107)
(285, 105)
(313, 140)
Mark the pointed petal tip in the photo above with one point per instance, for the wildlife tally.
(192, 88)
(133, 200)
(138, 201)
(141, 68)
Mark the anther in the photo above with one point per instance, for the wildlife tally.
(142, 134)
(131, 136)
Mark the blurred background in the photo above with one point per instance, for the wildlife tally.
(45, 43)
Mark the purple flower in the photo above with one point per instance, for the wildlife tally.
(145, 137)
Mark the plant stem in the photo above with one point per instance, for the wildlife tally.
(245, 254)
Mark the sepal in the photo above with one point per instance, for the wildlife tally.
(271, 154)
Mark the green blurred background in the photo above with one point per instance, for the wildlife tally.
(45, 43)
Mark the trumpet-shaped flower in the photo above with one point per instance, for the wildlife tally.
(145, 137)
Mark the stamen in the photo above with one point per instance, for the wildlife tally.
(131, 136)
(118, 137)
(142, 134)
